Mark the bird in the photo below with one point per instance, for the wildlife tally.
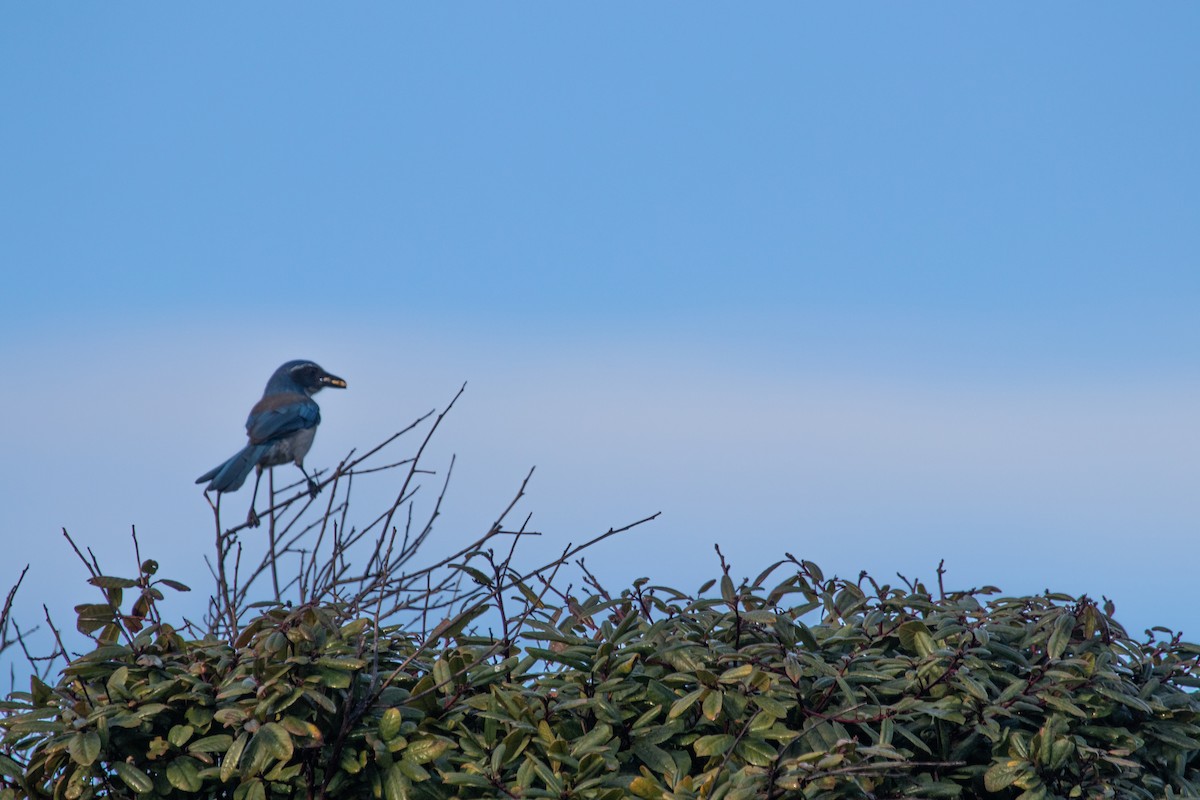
(281, 427)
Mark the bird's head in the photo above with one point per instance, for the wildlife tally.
(303, 376)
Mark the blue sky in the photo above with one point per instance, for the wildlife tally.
(875, 284)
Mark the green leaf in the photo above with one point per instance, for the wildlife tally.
(389, 724)
(941, 789)
(530, 595)
(1003, 774)
(1125, 699)
(655, 757)
(179, 734)
(1036, 792)
(84, 748)
(349, 762)
(1062, 704)
(645, 788)
(301, 728)
(335, 678)
(109, 582)
(476, 575)
(1061, 637)
(423, 751)
(756, 752)
(270, 742)
(93, 616)
(231, 716)
(11, 768)
(1171, 735)
(219, 743)
(276, 739)
(727, 591)
(396, 785)
(412, 771)
(684, 703)
(442, 674)
(916, 637)
(803, 634)
(714, 745)
(198, 717)
(972, 686)
(771, 706)
(39, 690)
(712, 705)
(133, 777)
(553, 784)
(480, 782)
(598, 736)
(183, 774)
(736, 674)
(449, 628)
(250, 790)
(912, 738)
(229, 763)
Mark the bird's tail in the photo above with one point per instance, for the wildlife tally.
(230, 476)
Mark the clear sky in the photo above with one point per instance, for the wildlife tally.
(876, 284)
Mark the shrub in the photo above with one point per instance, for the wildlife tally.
(790, 685)
(807, 688)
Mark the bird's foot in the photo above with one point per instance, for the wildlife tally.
(252, 519)
(313, 489)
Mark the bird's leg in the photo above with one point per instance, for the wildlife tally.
(313, 489)
(252, 518)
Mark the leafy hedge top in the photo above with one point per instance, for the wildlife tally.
(810, 688)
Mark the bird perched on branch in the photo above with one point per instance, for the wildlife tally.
(281, 427)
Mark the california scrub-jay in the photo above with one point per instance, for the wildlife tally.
(281, 427)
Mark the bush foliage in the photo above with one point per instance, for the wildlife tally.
(801, 687)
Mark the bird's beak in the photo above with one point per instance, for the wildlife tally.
(332, 380)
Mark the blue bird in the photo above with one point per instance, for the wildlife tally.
(281, 427)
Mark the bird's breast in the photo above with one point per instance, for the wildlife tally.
(293, 447)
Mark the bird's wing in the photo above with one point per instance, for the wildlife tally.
(277, 415)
